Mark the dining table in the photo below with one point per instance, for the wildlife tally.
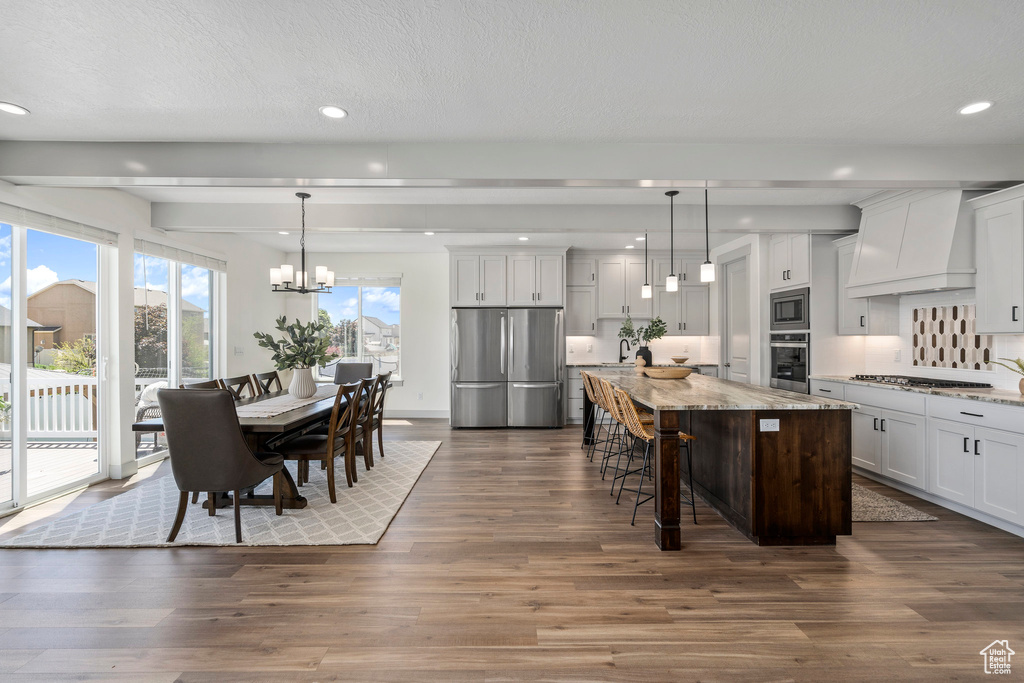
(263, 431)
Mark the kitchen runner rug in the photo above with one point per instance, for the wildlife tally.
(869, 506)
(142, 517)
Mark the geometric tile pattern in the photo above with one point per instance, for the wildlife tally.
(142, 517)
(946, 337)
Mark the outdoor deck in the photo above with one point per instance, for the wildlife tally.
(51, 465)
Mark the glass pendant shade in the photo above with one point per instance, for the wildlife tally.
(645, 292)
(287, 273)
(707, 272)
(289, 279)
(672, 283)
(275, 276)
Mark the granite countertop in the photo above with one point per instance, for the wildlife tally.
(1003, 396)
(572, 364)
(699, 392)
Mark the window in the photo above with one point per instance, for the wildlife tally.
(365, 320)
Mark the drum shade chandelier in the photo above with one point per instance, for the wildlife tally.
(287, 279)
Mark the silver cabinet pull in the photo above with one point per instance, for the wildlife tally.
(503, 345)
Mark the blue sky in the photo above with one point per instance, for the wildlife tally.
(378, 302)
(52, 258)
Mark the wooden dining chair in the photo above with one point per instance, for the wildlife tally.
(267, 382)
(240, 387)
(208, 452)
(209, 384)
(376, 421)
(364, 420)
(339, 439)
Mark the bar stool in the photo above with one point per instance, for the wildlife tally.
(645, 432)
(595, 420)
(617, 429)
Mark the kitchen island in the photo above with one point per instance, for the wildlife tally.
(779, 484)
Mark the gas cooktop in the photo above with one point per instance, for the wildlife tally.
(927, 382)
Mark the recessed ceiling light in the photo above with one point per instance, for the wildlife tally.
(975, 108)
(630, 246)
(428, 233)
(332, 112)
(640, 239)
(524, 239)
(13, 109)
(282, 232)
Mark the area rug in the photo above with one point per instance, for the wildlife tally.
(869, 506)
(142, 517)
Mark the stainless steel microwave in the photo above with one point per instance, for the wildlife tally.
(791, 310)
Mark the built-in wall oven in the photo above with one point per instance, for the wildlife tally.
(791, 310)
(791, 361)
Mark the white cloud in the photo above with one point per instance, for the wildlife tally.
(40, 277)
(5, 293)
(388, 299)
(154, 275)
(195, 283)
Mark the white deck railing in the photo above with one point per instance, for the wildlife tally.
(64, 409)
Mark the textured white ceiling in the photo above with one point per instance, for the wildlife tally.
(837, 71)
(490, 196)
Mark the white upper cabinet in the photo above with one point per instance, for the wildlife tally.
(582, 272)
(518, 279)
(685, 312)
(636, 274)
(790, 261)
(1000, 259)
(611, 287)
(877, 315)
(688, 271)
(666, 307)
(580, 311)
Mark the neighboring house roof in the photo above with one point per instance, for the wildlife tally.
(48, 328)
(376, 321)
(5, 318)
(143, 296)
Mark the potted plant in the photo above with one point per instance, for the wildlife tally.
(643, 336)
(300, 349)
(1018, 367)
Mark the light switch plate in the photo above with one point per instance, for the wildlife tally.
(590, 348)
(571, 348)
(896, 355)
(239, 350)
(769, 425)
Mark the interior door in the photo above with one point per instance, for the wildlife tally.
(903, 447)
(737, 321)
(867, 438)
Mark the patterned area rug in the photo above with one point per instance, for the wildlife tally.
(142, 517)
(869, 506)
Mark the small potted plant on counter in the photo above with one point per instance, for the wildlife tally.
(302, 348)
(643, 336)
(1018, 367)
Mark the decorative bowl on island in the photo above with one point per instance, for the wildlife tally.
(668, 373)
(680, 359)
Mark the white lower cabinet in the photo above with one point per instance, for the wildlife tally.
(890, 443)
(951, 461)
(867, 439)
(999, 474)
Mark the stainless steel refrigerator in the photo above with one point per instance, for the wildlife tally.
(507, 367)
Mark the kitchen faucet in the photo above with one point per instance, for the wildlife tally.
(622, 356)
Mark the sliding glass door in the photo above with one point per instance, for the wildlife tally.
(6, 321)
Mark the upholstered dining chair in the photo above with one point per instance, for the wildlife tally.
(337, 441)
(208, 452)
(267, 382)
(240, 387)
(209, 384)
(352, 372)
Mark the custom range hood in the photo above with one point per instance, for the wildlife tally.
(913, 241)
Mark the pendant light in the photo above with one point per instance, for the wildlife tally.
(672, 281)
(645, 291)
(707, 269)
(282, 279)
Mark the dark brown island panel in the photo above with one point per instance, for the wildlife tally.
(784, 484)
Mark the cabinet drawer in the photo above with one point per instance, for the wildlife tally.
(978, 413)
(574, 373)
(575, 412)
(576, 387)
(835, 390)
(891, 399)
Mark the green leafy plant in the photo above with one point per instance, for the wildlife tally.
(1018, 364)
(646, 334)
(77, 357)
(301, 346)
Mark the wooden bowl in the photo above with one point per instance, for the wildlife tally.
(680, 359)
(668, 373)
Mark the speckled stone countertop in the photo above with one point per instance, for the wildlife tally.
(631, 364)
(1003, 396)
(699, 392)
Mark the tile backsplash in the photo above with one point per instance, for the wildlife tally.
(604, 347)
(945, 337)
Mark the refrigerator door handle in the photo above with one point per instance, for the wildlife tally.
(503, 345)
(478, 385)
(455, 344)
(535, 385)
(511, 345)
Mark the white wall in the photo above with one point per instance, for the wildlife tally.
(424, 313)
(757, 274)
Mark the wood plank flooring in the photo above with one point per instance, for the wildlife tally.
(510, 561)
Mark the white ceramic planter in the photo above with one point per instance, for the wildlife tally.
(302, 385)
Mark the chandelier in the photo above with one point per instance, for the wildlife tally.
(287, 279)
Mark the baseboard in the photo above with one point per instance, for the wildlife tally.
(399, 414)
(983, 517)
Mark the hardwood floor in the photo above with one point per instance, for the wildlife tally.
(510, 561)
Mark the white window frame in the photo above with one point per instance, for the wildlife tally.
(365, 281)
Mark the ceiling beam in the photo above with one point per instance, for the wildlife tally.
(197, 164)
